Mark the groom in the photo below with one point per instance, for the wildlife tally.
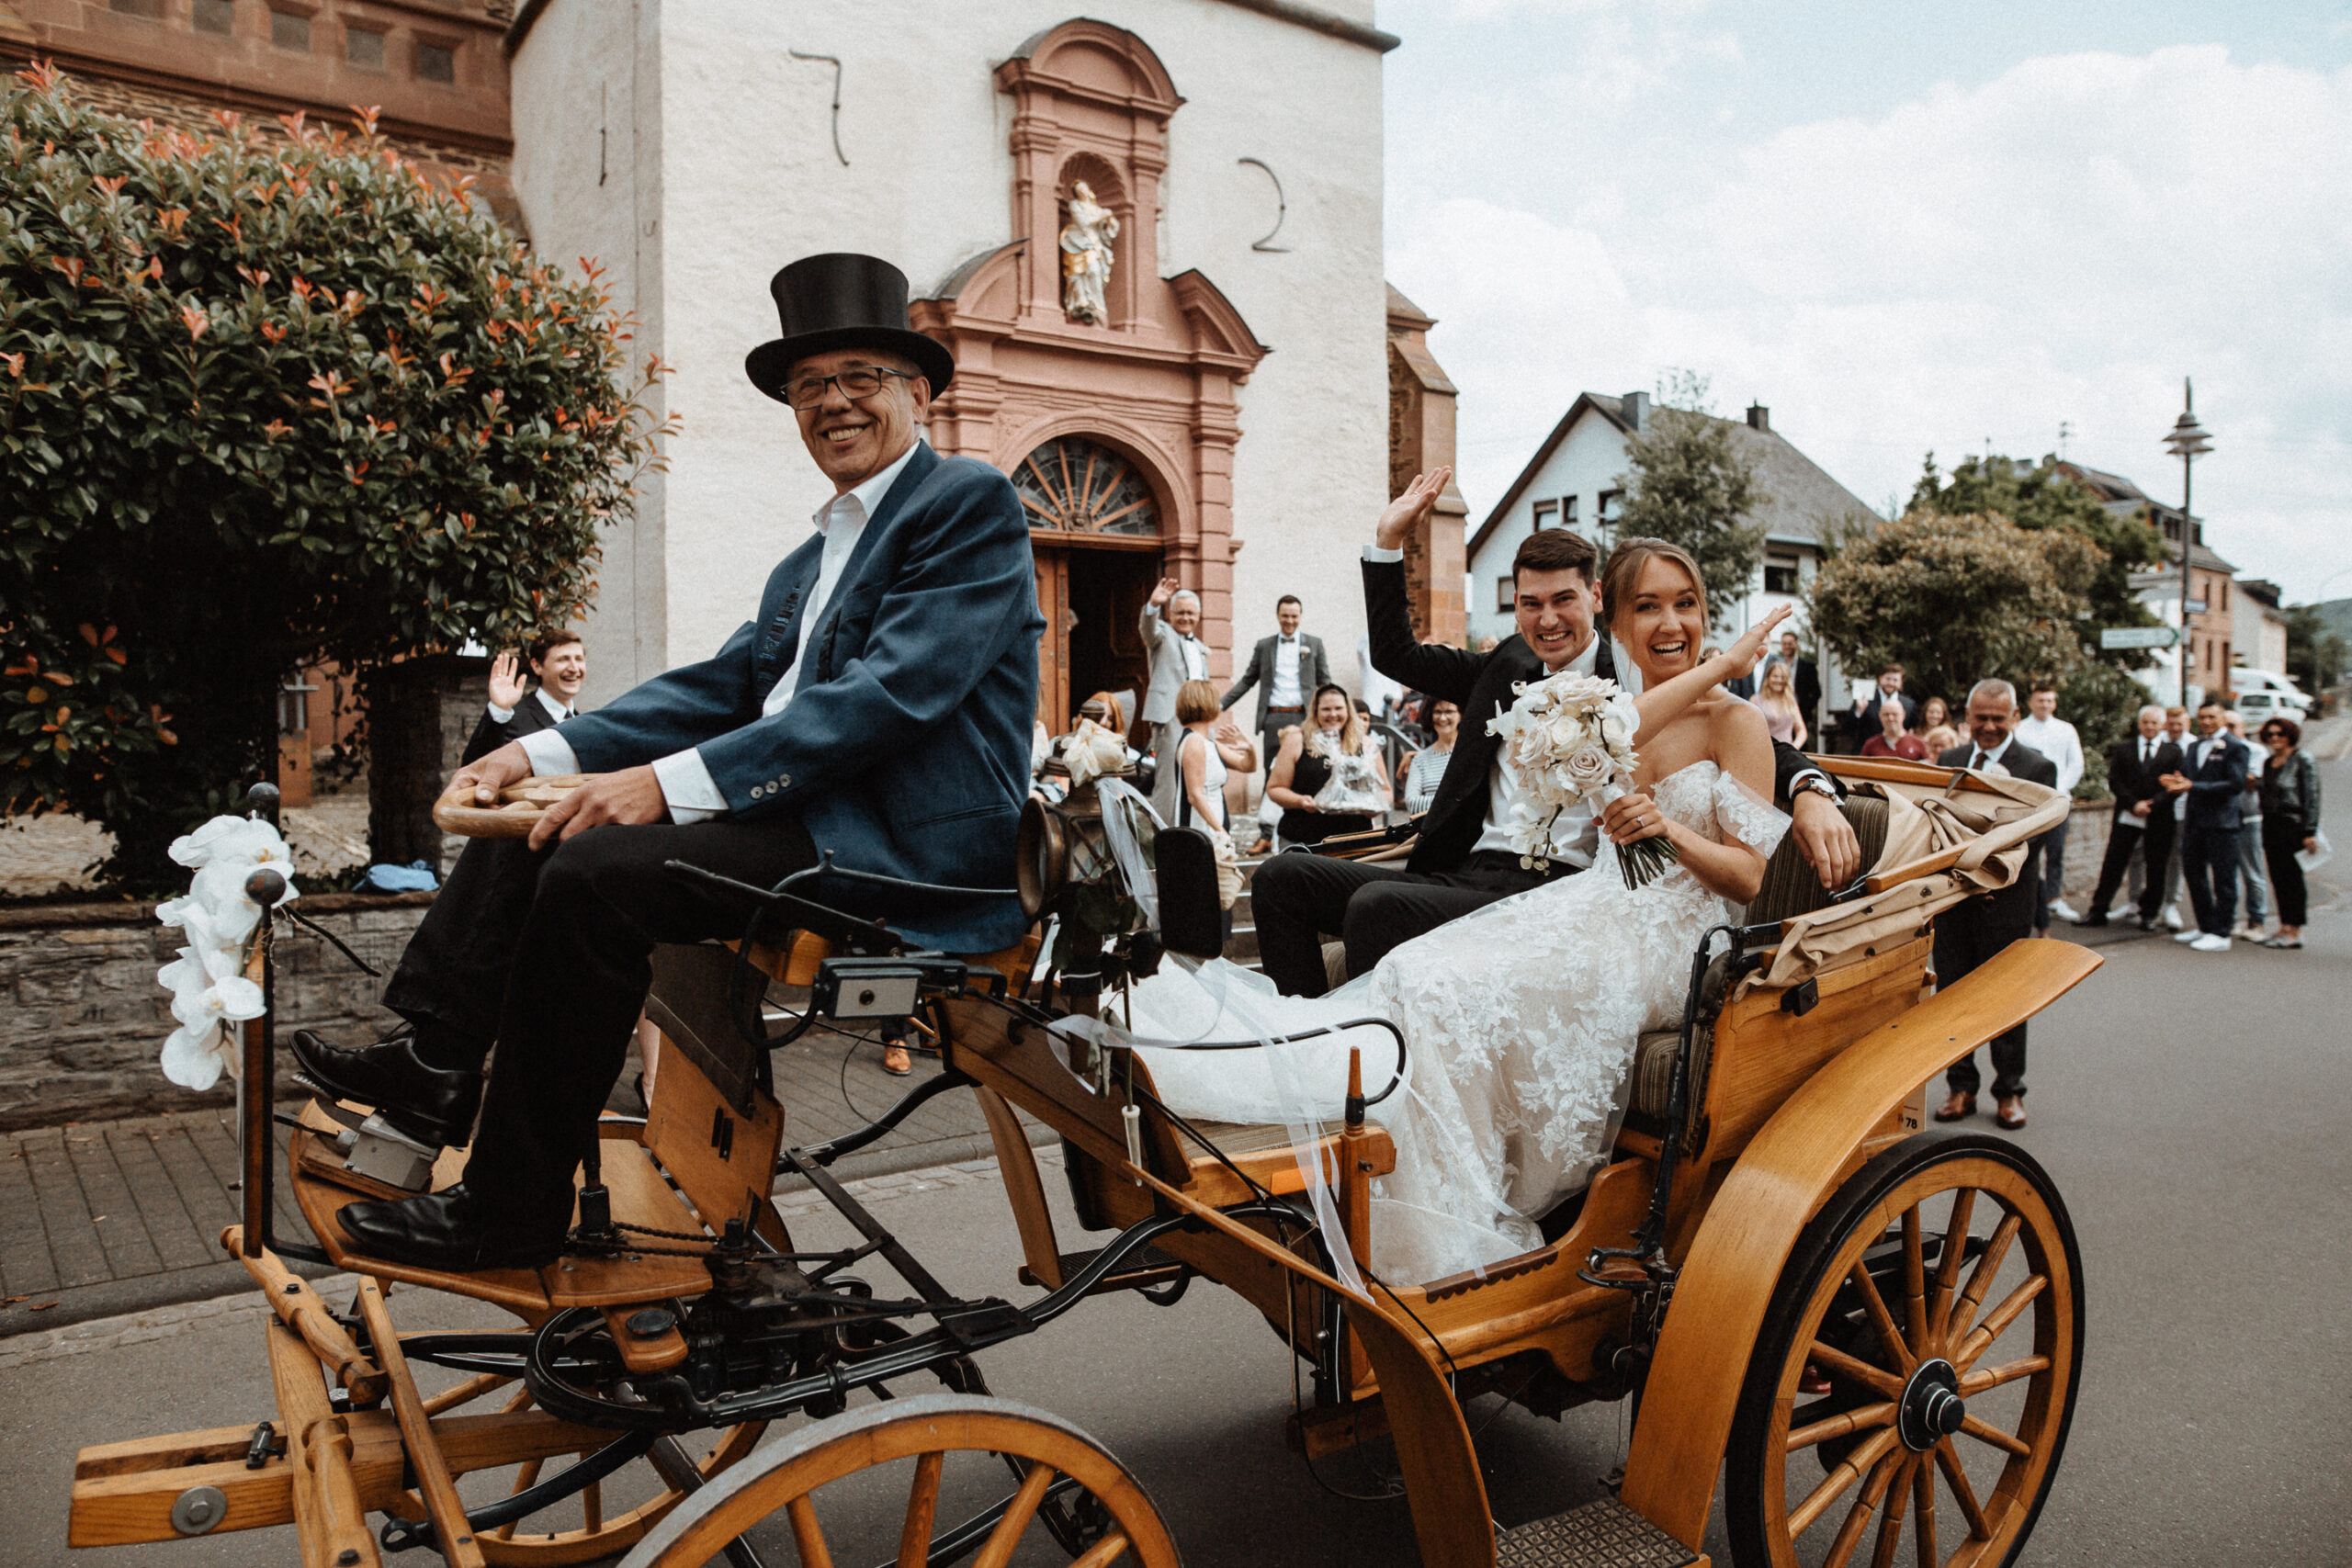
(1463, 859)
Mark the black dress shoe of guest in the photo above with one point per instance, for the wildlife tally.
(433, 1105)
(454, 1231)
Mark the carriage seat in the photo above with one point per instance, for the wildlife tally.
(1790, 886)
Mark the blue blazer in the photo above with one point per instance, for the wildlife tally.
(2216, 789)
(906, 748)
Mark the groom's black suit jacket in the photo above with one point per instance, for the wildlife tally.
(1480, 685)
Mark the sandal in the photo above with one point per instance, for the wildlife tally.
(895, 1062)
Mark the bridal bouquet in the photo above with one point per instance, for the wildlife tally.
(1570, 738)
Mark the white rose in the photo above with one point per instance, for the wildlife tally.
(1587, 768)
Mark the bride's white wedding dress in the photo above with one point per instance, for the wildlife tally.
(1521, 1019)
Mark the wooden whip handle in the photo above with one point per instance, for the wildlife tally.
(516, 813)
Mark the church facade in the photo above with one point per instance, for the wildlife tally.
(1151, 236)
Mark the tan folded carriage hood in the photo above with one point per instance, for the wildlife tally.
(1951, 834)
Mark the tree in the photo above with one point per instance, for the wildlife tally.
(1954, 598)
(1691, 485)
(2040, 496)
(265, 401)
(2316, 654)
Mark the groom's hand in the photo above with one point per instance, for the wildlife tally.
(1826, 839)
(631, 796)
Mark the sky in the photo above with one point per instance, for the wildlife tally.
(1903, 228)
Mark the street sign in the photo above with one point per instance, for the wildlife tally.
(2196, 606)
(2138, 636)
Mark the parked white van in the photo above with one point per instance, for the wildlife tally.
(2257, 708)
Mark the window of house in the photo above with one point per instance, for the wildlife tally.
(1780, 574)
(1504, 598)
(152, 10)
(436, 62)
(364, 48)
(287, 31)
(1568, 512)
(1547, 513)
(2225, 594)
(216, 16)
(1608, 507)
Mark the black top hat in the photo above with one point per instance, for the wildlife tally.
(842, 301)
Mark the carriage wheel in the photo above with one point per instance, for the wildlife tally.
(644, 1494)
(1941, 1293)
(949, 1502)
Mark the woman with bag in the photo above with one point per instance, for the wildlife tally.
(1333, 778)
(1202, 769)
(2290, 824)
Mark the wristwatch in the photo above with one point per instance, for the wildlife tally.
(1813, 782)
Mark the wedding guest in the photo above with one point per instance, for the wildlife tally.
(2257, 886)
(2176, 732)
(2289, 823)
(2209, 783)
(1743, 687)
(1937, 731)
(1804, 678)
(1783, 713)
(1863, 722)
(1283, 668)
(1892, 739)
(560, 666)
(2141, 835)
(2055, 738)
(1330, 779)
(1269, 810)
(1209, 747)
(1171, 624)
(1427, 766)
(1488, 644)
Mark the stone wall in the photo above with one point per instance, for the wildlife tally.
(421, 712)
(2086, 834)
(81, 1018)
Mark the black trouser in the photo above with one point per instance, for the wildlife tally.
(2153, 840)
(1967, 937)
(548, 954)
(2282, 837)
(1297, 899)
(1270, 733)
(2209, 864)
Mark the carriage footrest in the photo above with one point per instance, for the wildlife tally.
(1601, 1534)
(1149, 1267)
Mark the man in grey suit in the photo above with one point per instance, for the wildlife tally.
(1171, 637)
(1284, 668)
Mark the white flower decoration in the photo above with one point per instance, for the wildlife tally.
(207, 980)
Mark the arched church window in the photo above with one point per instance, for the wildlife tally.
(1074, 485)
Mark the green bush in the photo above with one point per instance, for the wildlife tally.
(267, 400)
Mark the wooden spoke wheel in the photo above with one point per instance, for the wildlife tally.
(949, 1476)
(604, 1516)
(1939, 1292)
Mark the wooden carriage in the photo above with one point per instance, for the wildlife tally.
(1813, 1276)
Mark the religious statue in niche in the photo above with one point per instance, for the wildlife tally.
(1086, 257)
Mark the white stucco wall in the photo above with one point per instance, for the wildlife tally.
(737, 175)
(588, 177)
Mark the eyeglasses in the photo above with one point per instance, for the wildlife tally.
(859, 381)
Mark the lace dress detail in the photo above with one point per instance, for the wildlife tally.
(1522, 1017)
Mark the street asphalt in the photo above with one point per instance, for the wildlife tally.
(2190, 1109)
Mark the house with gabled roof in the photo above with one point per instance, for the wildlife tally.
(2212, 628)
(1575, 480)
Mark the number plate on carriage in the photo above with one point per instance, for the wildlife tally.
(866, 987)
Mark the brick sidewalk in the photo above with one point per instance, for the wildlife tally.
(104, 1218)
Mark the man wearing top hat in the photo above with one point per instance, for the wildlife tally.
(878, 707)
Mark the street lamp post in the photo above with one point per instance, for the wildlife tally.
(2188, 442)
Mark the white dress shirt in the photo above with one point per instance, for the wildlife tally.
(1286, 692)
(2057, 739)
(686, 785)
(1196, 656)
(1979, 759)
(555, 710)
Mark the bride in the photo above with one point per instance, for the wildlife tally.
(1521, 1017)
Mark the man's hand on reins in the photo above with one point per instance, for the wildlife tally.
(632, 796)
(1826, 839)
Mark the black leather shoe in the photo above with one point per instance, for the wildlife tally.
(2095, 918)
(433, 1105)
(454, 1231)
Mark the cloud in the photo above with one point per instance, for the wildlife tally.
(2062, 241)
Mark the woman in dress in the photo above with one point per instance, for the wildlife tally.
(2289, 823)
(1777, 703)
(1521, 1017)
(1330, 779)
(1209, 747)
(1428, 766)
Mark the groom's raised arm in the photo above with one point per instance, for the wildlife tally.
(1430, 667)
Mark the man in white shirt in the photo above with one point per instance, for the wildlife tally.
(2043, 729)
(1464, 859)
(1284, 668)
(878, 707)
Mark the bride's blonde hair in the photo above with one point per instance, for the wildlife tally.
(1625, 570)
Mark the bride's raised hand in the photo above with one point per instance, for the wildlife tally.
(1745, 654)
(1397, 524)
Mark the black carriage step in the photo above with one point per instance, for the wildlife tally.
(1601, 1534)
(1147, 1268)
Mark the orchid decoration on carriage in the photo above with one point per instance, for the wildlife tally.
(219, 919)
(1570, 738)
